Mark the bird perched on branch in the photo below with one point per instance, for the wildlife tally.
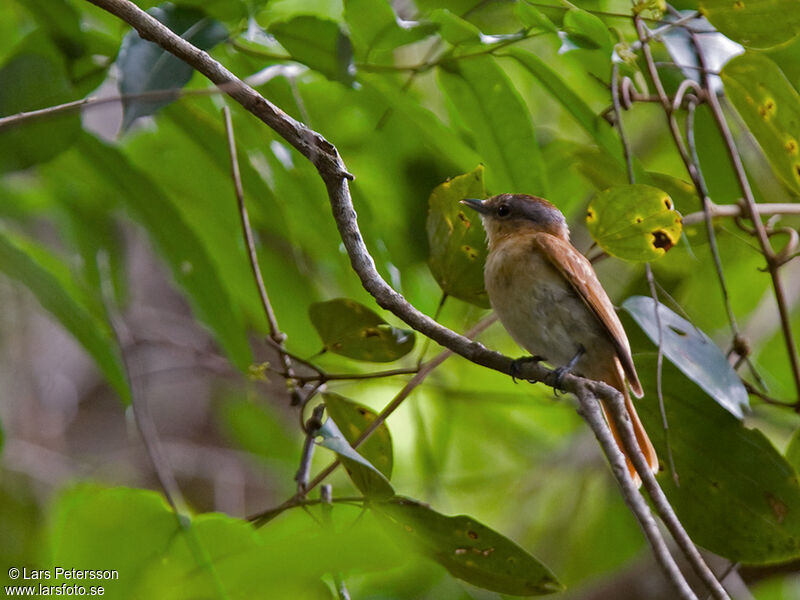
(549, 299)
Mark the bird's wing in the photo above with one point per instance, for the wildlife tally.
(579, 272)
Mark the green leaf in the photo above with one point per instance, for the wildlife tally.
(454, 29)
(586, 31)
(457, 240)
(793, 450)
(178, 244)
(725, 469)
(366, 477)
(146, 67)
(471, 551)
(533, 17)
(770, 107)
(693, 352)
(597, 127)
(634, 222)
(754, 23)
(29, 81)
(495, 116)
(353, 330)
(353, 419)
(318, 43)
(50, 280)
(374, 26)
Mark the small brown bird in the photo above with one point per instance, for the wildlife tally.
(549, 299)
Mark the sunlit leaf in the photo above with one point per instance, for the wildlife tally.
(470, 550)
(374, 26)
(146, 67)
(50, 281)
(353, 330)
(770, 107)
(531, 16)
(319, 43)
(498, 121)
(692, 351)
(457, 240)
(366, 477)
(634, 222)
(586, 31)
(724, 469)
(353, 419)
(453, 28)
(754, 23)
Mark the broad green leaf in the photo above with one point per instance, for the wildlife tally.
(146, 67)
(318, 43)
(178, 244)
(725, 469)
(793, 451)
(496, 118)
(597, 127)
(586, 31)
(457, 240)
(454, 29)
(353, 419)
(50, 281)
(353, 330)
(258, 430)
(28, 81)
(693, 352)
(531, 16)
(366, 477)
(770, 107)
(754, 23)
(634, 222)
(374, 26)
(470, 550)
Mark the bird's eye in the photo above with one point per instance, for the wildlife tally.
(503, 210)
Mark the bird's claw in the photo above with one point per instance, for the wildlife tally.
(516, 365)
(555, 378)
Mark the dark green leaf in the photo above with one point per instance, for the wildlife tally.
(374, 26)
(180, 246)
(352, 330)
(597, 127)
(319, 43)
(146, 67)
(29, 81)
(725, 469)
(493, 113)
(693, 352)
(754, 23)
(50, 281)
(793, 450)
(353, 419)
(634, 222)
(368, 479)
(471, 551)
(770, 107)
(457, 240)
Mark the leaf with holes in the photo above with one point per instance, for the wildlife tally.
(146, 67)
(692, 351)
(352, 330)
(457, 240)
(754, 23)
(353, 419)
(470, 550)
(368, 479)
(635, 222)
(770, 107)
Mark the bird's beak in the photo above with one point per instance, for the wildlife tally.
(477, 205)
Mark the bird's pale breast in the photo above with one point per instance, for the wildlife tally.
(539, 308)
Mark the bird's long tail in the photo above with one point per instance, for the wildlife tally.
(645, 445)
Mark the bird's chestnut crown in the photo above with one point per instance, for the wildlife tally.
(510, 214)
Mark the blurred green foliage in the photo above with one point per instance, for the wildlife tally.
(427, 102)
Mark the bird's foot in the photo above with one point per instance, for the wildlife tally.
(555, 378)
(516, 365)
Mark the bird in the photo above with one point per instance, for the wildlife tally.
(549, 299)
